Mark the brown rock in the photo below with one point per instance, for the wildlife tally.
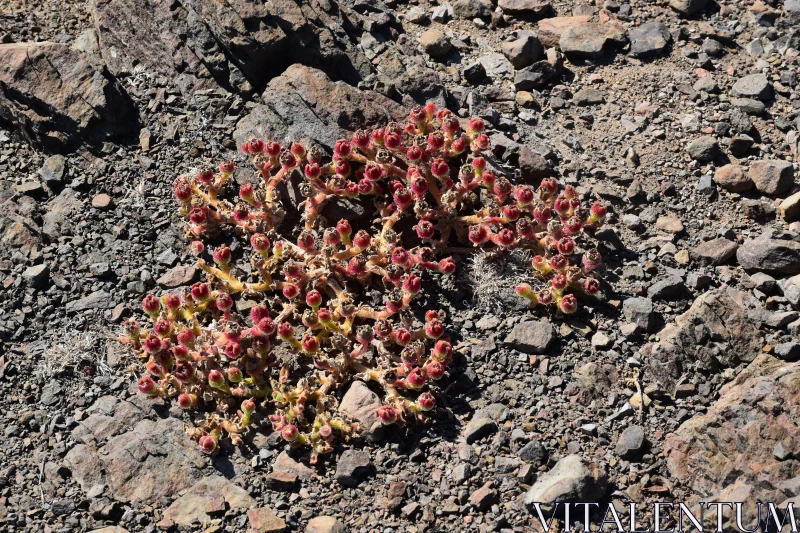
(533, 166)
(102, 202)
(435, 43)
(483, 498)
(280, 481)
(550, 29)
(263, 520)
(360, 403)
(669, 224)
(56, 99)
(773, 256)
(772, 177)
(284, 463)
(715, 252)
(735, 439)
(591, 39)
(732, 178)
(325, 524)
(178, 276)
(207, 497)
(790, 207)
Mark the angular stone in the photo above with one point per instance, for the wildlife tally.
(687, 7)
(197, 506)
(591, 39)
(631, 442)
(703, 148)
(649, 39)
(325, 524)
(589, 96)
(360, 403)
(533, 166)
(263, 520)
(525, 7)
(483, 498)
(733, 178)
(96, 300)
(772, 256)
(531, 337)
(435, 43)
(534, 452)
(714, 252)
(37, 276)
(285, 464)
(791, 291)
(524, 50)
(669, 224)
(304, 105)
(536, 76)
(715, 331)
(570, 480)
(179, 276)
(471, 9)
(753, 86)
(790, 207)
(736, 438)
(638, 311)
(53, 170)
(479, 427)
(280, 481)
(666, 289)
(353, 467)
(550, 29)
(788, 351)
(772, 176)
(56, 99)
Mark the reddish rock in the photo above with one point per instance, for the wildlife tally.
(102, 202)
(715, 252)
(263, 520)
(735, 441)
(206, 498)
(733, 178)
(550, 29)
(325, 524)
(178, 276)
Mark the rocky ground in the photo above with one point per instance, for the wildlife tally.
(681, 384)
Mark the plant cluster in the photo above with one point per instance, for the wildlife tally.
(316, 325)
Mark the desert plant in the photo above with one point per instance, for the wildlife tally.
(316, 326)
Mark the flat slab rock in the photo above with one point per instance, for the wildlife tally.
(773, 256)
(532, 336)
(206, 500)
(591, 39)
(737, 438)
(304, 105)
(151, 462)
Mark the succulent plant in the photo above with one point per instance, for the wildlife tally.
(314, 327)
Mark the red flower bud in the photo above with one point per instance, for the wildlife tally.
(224, 301)
(291, 291)
(435, 370)
(387, 414)
(185, 401)
(258, 312)
(426, 401)
(479, 164)
(562, 206)
(416, 378)
(436, 141)
(478, 234)
(476, 125)
(253, 146)
(342, 148)
(312, 171)
(313, 298)
(545, 297)
(361, 239)
(148, 386)
(549, 185)
(197, 247)
(424, 229)
(162, 327)
(235, 374)
(207, 444)
(215, 378)
(591, 285)
(450, 124)
(403, 197)
(434, 329)
(447, 265)
(482, 142)
(393, 140)
(200, 291)
(443, 350)
(558, 262)
(205, 175)
(310, 344)
(440, 168)
(504, 238)
(285, 330)
(400, 256)
(524, 195)
(568, 304)
(402, 336)
(559, 282)
(222, 255)
(266, 326)
(153, 344)
(186, 337)
(414, 152)
(151, 305)
(233, 350)
(592, 260)
(259, 242)
(357, 266)
(361, 139)
(172, 302)
(542, 214)
(306, 241)
(182, 190)
(344, 229)
(290, 433)
(573, 225)
(566, 246)
(412, 284)
(272, 149)
(198, 215)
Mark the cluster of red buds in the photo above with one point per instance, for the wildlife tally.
(313, 325)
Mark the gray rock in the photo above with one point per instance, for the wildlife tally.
(772, 256)
(666, 289)
(772, 176)
(703, 148)
(788, 351)
(534, 452)
(417, 15)
(478, 428)
(638, 311)
(531, 336)
(631, 442)
(712, 47)
(740, 146)
(591, 40)
(525, 7)
(536, 76)
(442, 13)
(37, 276)
(353, 467)
(53, 170)
(589, 96)
(360, 404)
(51, 393)
(753, 86)
(687, 7)
(533, 166)
(750, 106)
(649, 39)
(96, 300)
(570, 480)
(524, 50)
(791, 291)
(496, 65)
(470, 9)
(707, 83)
(714, 252)
(474, 72)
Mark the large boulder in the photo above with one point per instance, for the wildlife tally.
(238, 45)
(749, 436)
(54, 96)
(715, 331)
(773, 256)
